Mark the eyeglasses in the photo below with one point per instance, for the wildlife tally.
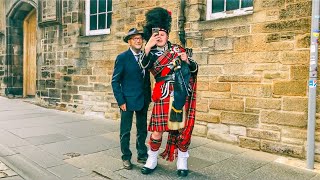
(137, 38)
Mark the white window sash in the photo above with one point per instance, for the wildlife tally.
(224, 14)
(87, 21)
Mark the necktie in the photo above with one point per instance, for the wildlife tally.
(137, 56)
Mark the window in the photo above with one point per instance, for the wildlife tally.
(217, 9)
(98, 16)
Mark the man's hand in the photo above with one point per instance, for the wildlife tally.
(123, 107)
(184, 57)
(152, 42)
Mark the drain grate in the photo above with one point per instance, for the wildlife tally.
(72, 154)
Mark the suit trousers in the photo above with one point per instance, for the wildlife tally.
(125, 129)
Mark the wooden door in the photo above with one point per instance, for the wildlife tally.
(29, 54)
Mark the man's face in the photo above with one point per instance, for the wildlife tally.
(163, 39)
(135, 41)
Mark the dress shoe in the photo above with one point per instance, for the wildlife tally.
(146, 170)
(183, 172)
(142, 160)
(127, 164)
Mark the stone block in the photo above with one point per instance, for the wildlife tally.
(209, 70)
(65, 98)
(276, 75)
(299, 72)
(249, 143)
(290, 88)
(80, 80)
(239, 78)
(217, 95)
(262, 57)
(72, 89)
(210, 118)
(242, 119)
(100, 87)
(284, 118)
(303, 41)
(294, 57)
(237, 69)
(253, 90)
(227, 104)
(200, 130)
(263, 134)
(221, 58)
(238, 130)
(219, 87)
(202, 105)
(285, 149)
(295, 104)
(222, 137)
(203, 85)
(54, 93)
(293, 141)
(293, 133)
(266, 67)
(263, 103)
(219, 128)
(84, 88)
(223, 43)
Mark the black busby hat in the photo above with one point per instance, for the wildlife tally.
(132, 31)
(157, 18)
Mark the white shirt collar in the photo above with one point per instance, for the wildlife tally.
(134, 53)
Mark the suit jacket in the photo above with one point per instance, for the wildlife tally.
(128, 83)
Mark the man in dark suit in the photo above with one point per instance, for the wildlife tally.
(132, 90)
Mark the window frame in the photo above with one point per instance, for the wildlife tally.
(89, 32)
(226, 14)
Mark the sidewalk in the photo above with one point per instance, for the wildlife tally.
(43, 144)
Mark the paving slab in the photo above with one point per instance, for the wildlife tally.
(279, 172)
(35, 131)
(11, 140)
(27, 169)
(46, 139)
(85, 128)
(208, 154)
(67, 171)
(94, 161)
(233, 168)
(39, 156)
(82, 146)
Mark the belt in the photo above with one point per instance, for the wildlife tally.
(165, 78)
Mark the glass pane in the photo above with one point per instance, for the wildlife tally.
(102, 21)
(233, 4)
(109, 5)
(93, 6)
(102, 6)
(217, 6)
(109, 20)
(93, 22)
(246, 3)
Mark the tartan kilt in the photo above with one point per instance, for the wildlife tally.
(160, 114)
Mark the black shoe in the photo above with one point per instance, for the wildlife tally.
(183, 172)
(127, 164)
(142, 160)
(146, 170)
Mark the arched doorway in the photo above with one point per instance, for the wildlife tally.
(21, 49)
(29, 54)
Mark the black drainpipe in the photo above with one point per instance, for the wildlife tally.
(182, 20)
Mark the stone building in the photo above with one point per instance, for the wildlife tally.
(253, 58)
